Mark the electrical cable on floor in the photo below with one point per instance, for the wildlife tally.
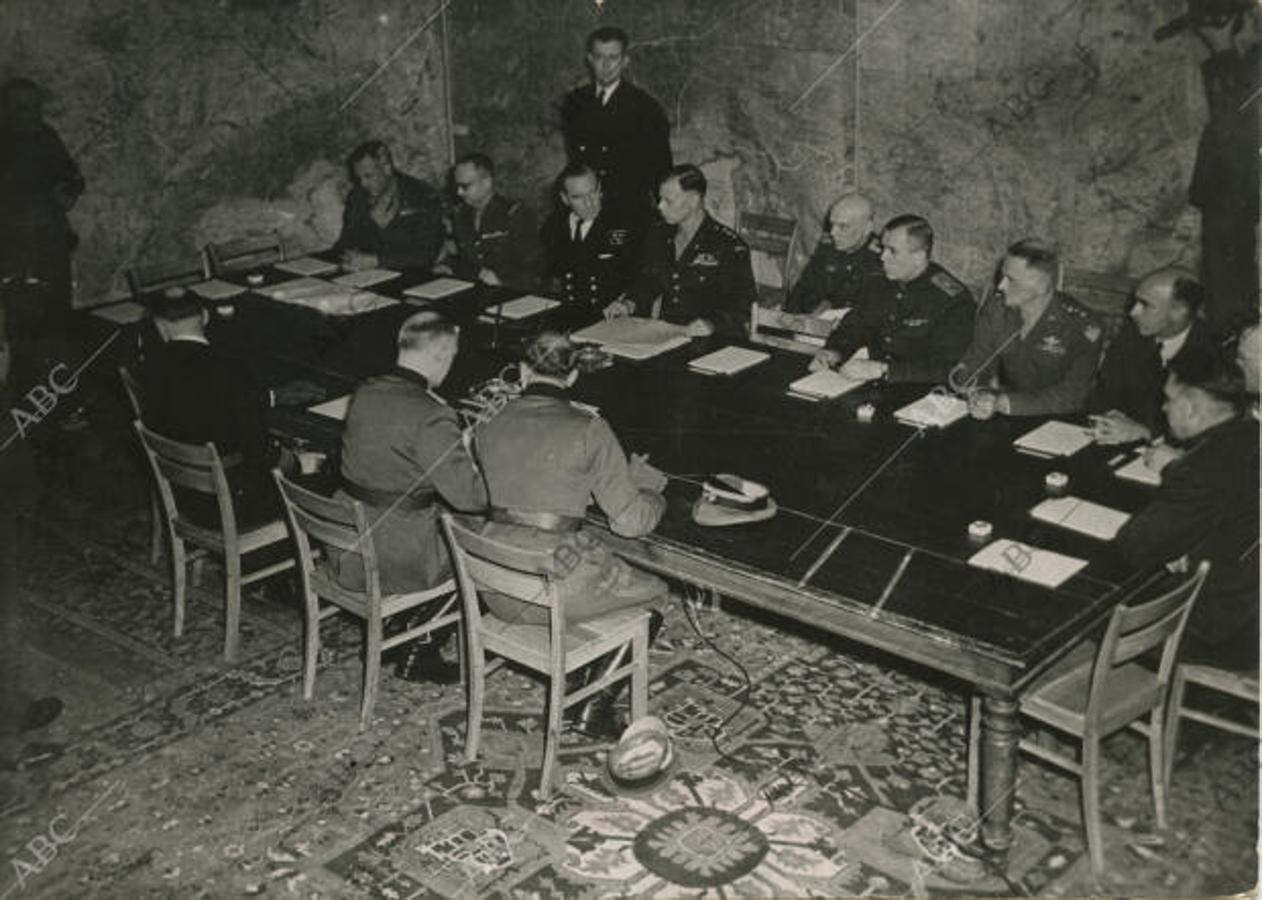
(747, 690)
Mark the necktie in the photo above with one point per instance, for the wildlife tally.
(577, 236)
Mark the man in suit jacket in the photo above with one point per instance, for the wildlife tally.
(592, 250)
(194, 394)
(391, 219)
(1163, 323)
(497, 239)
(616, 128)
(1207, 508)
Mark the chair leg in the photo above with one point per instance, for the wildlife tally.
(1174, 712)
(640, 675)
(556, 703)
(199, 567)
(155, 529)
(462, 653)
(973, 788)
(477, 692)
(311, 646)
(232, 607)
(1157, 764)
(372, 670)
(1091, 802)
(179, 573)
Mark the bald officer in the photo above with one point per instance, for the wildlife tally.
(847, 253)
(1035, 350)
(914, 319)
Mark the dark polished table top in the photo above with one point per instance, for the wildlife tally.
(899, 580)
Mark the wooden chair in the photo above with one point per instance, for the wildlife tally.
(131, 387)
(155, 277)
(799, 332)
(199, 469)
(1243, 685)
(771, 241)
(342, 524)
(244, 253)
(1097, 690)
(553, 650)
(1105, 293)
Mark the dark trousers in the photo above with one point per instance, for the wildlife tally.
(1229, 267)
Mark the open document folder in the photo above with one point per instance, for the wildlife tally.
(823, 385)
(1083, 516)
(728, 361)
(937, 409)
(521, 308)
(1053, 439)
(632, 337)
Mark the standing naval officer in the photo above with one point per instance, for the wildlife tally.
(914, 319)
(1035, 350)
(617, 128)
(695, 272)
(497, 239)
(848, 253)
(592, 250)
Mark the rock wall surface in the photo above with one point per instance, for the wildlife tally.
(995, 118)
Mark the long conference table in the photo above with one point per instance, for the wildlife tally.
(871, 538)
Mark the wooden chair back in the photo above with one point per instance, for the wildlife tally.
(330, 522)
(150, 278)
(195, 468)
(771, 241)
(242, 253)
(134, 392)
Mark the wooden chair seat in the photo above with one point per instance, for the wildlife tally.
(1060, 698)
(247, 541)
(584, 641)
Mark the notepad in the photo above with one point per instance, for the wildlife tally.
(296, 288)
(365, 277)
(632, 337)
(121, 313)
(728, 361)
(438, 288)
(936, 409)
(1140, 471)
(1054, 439)
(521, 308)
(307, 265)
(1083, 516)
(216, 289)
(333, 409)
(1027, 563)
(823, 385)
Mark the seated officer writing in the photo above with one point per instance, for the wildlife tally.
(847, 254)
(1163, 323)
(914, 320)
(1034, 349)
(1207, 508)
(696, 272)
(391, 219)
(592, 250)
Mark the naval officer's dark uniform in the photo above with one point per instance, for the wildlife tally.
(590, 271)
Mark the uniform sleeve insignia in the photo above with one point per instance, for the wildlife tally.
(1092, 333)
(593, 411)
(947, 284)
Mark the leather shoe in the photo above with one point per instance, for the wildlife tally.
(601, 718)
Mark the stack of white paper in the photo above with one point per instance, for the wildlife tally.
(934, 410)
(365, 277)
(728, 361)
(1027, 563)
(1138, 470)
(296, 288)
(521, 308)
(1083, 516)
(438, 288)
(632, 337)
(1054, 439)
(216, 289)
(823, 385)
(307, 265)
(333, 409)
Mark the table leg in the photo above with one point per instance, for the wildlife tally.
(1001, 733)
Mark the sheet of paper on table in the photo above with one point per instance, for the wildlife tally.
(834, 314)
(1027, 563)
(1140, 471)
(632, 337)
(728, 361)
(333, 409)
(1083, 516)
(365, 277)
(936, 409)
(121, 313)
(521, 308)
(326, 297)
(438, 288)
(823, 385)
(297, 287)
(1054, 439)
(307, 265)
(216, 289)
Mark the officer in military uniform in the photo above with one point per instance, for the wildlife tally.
(497, 239)
(1034, 350)
(404, 455)
(592, 250)
(915, 318)
(847, 254)
(696, 272)
(546, 460)
(616, 128)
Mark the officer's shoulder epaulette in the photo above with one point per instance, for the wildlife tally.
(590, 411)
(1081, 317)
(946, 282)
(726, 231)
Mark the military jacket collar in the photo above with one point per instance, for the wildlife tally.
(543, 389)
(696, 252)
(411, 375)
